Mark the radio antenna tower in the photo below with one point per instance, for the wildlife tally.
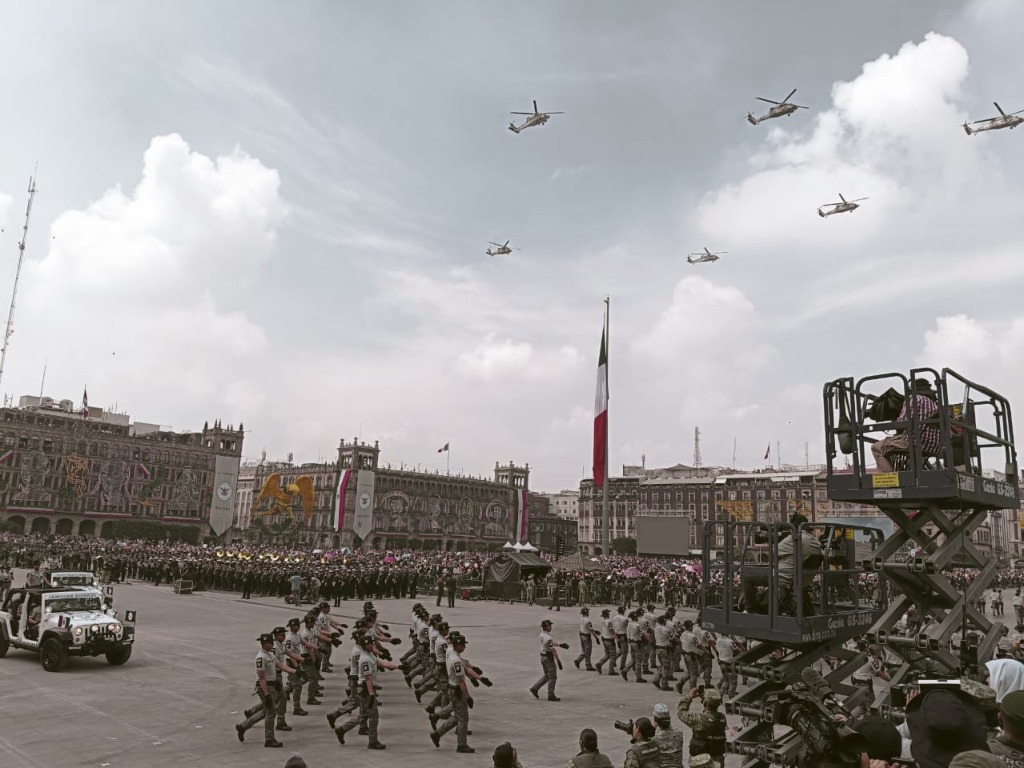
(17, 274)
(696, 447)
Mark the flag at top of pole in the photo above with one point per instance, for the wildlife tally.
(85, 403)
(601, 414)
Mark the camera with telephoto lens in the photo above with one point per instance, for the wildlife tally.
(626, 726)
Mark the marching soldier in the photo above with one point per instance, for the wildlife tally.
(619, 628)
(288, 662)
(462, 701)
(368, 666)
(293, 645)
(649, 655)
(688, 642)
(635, 639)
(325, 628)
(726, 650)
(548, 661)
(441, 647)
(662, 642)
(268, 686)
(705, 646)
(708, 726)
(311, 659)
(587, 635)
(608, 641)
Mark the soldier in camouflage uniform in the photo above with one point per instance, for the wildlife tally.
(668, 739)
(708, 726)
(644, 753)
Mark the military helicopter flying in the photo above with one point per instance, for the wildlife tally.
(706, 256)
(995, 123)
(501, 250)
(535, 118)
(843, 207)
(781, 109)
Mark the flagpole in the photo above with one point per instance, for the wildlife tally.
(605, 532)
(448, 459)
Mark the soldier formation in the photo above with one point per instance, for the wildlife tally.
(295, 657)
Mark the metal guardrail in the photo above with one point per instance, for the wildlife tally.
(182, 587)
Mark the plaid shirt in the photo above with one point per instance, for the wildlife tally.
(923, 408)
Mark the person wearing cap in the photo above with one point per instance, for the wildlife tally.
(922, 405)
(644, 753)
(441, 648)
(668, 739)
(635, 638)
(688, 647)
(588, 756)
(705, 650)
(311, 658)
(650, 654)
(708, 726)
(458, 694)
(298, 652)
(943, 723)
(619, 627)
(287, 663)
(368, 712)
(505, 756)
(608, 643)
(1009, 744)
(268, 686)
(587, 635)
(549, 661)
(325, 627)
(351, 702)
(725, 649)
(703, 760)
(662, 646)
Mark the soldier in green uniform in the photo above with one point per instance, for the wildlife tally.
(708, 726)
(668, 739)
(644, 753)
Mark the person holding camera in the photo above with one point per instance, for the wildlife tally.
(668, 739)
(708, 726)
(588, 756)
(644, 753)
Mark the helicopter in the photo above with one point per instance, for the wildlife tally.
(843, 207)
(781, 108)
(702, 257)
(995, 123)
(535, 118)
(501, 250)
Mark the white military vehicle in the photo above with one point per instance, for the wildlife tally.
(73, 579)
(58, 623)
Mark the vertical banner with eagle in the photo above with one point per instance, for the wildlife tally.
(225, 482)
(522, 516)
(362, 522)
(339, 498)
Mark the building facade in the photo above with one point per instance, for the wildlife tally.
(564, 504)
(713, 493)
(386, 507)
(75, 471)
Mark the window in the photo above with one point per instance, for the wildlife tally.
(746, 495)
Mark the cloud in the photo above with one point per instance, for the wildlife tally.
(494, 359)
(138, 291)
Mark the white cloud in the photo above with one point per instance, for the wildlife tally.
(137, 292)
(506, 358)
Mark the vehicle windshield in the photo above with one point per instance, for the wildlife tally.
(68, 604)
(72, 581)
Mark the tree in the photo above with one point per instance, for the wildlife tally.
(624, 546)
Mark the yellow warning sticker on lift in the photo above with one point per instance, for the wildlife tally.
(885, 480)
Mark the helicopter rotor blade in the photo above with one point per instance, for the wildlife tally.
(520, 113)
(790, 96)
(760, 98)
(858, 200)
(506, 243)
(552, 113)
(494, 243)
(799, 106)
(535, 110)
(999, 108)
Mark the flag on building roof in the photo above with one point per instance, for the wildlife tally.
(767, 451)
(443, 448)
(85, 403)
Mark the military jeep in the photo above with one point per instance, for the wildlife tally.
(61, 622)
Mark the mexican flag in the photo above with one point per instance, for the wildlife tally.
(601, 416)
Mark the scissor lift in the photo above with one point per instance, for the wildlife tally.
(936, 500)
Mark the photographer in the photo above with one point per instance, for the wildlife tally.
(644, 753)
(708, 726)
(588, 756)
(668, 739)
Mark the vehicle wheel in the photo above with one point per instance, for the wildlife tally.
(52, 655)
(5, 645)
(120, 656)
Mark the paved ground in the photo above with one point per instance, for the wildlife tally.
(176, 701)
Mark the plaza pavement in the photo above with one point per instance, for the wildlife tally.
(176, 701)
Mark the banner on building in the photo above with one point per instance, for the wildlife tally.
(339, 498)
(522, 516)
(362, 521)
(225, 482)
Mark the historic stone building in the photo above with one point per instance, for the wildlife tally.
(404, 508)
(62, 472)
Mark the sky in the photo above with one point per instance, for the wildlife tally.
(276, 213)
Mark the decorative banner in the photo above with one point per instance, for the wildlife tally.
(339, 499)
(6, 457)
(225, 481)
(522, 516)
(362, 523)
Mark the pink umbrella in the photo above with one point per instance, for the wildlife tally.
(632, 573)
